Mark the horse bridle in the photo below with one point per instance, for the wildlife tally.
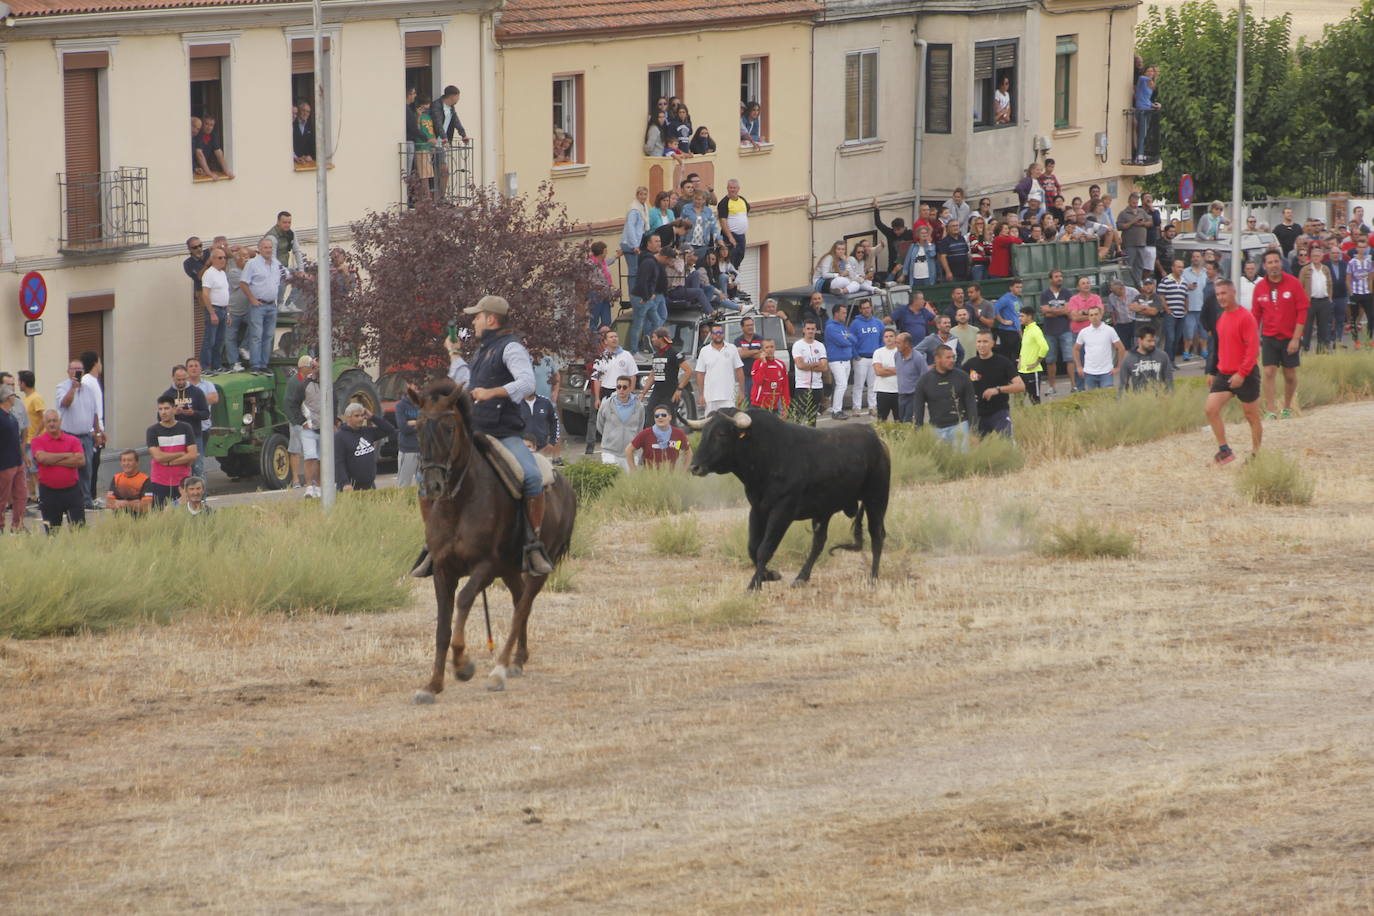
(427, 437)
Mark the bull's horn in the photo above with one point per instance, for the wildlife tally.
(742, 420)
(696, 424)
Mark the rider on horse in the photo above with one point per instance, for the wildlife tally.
(502, 377)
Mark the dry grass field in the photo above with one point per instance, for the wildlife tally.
(989, 730)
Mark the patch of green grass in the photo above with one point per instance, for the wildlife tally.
(721, 613)
(676, 537)
(924, 527)
(1084, 539)
(1274, 479)
(562, 578)
(263, 558)
(590, 478)
(792, 550)
(667, 492)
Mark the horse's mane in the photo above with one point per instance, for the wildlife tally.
(442, 389)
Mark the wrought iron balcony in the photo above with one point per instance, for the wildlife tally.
(103, 211)
(1142, 127)
(443, 174)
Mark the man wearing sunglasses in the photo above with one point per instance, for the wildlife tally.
(196, 261)
(720, 372)
(670, 371)
(618, 421)
(661, 445)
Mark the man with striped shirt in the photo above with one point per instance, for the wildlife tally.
(1175, 294)
(172, 445)
(1358, 281)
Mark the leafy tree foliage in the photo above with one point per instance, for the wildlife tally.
(419, 268)
(1194, 48)
(1338, 85)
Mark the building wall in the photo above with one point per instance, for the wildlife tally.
(148, 111)
(847, 176)
(615, 90)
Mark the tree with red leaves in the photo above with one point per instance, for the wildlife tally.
(419, 268)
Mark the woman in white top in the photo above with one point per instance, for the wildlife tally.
(861, 263)
(1001, 102)
(832, 273)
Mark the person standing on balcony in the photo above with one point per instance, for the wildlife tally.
(444, 113)
(261, 282)
(1145, 107)
(303, 135)
(733, 213)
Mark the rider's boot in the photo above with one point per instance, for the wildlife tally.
(423, 566)
(536, 559)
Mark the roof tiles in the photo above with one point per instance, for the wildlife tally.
(35, 8)
(529, 19)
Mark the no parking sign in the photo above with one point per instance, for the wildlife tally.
(33, 295)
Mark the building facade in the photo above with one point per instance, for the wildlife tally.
(599, 70)
(100, 193)
(907, 89)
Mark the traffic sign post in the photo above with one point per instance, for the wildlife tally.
(1185, 195)
(33, 299)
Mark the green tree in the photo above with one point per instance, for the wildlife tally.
(1194, 47)
(1338, 72)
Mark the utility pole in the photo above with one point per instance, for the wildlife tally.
(322, 270)
(1238, 154)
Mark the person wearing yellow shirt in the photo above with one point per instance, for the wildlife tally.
(1034, 348)
(34, 407)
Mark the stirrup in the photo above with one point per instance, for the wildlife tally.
(536, 560)
(424, 565)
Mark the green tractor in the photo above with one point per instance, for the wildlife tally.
(249, 431)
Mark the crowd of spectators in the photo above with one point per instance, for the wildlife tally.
(670, 133)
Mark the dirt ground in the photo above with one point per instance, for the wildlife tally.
(986, 731)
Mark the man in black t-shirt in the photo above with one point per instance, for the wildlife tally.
(1054, 310)
(670, 373)
(749, 346)
(994, 378)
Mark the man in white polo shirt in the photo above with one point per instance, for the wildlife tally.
(1097, 351)
(720, 372)
(808, 359)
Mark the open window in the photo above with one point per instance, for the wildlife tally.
(569, 145)
(753, 90)
(305, 142)
(209, 71)
(995, 87)
(1065, 72)
(664, 82)
(422, 62)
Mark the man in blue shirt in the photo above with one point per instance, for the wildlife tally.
(839, 350)
(868, 337)
(915, 319)
(1008, 324)
(1194, 279)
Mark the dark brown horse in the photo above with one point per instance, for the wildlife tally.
(475, 529)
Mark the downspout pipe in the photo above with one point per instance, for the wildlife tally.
(919, 136)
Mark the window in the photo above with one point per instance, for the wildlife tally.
(304, 138)
(994, 84)
(860, 96)
(939, 83)
(567, 117)
(1065, 55)
(209, 69)
(82, 75)
(664, 83)
(753, 89)
(422, 53)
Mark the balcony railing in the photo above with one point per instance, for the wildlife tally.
(441, 174)
(103, 211)
(1142, 126)
(1328, 175)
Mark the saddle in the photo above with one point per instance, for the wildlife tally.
(507, 466)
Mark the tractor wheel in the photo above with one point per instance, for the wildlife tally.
(355, 386)
(237, 466)
(276, 463)
(574, 424)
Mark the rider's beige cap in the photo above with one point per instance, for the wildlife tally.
(494, 304)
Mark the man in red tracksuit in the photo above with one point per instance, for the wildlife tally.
(1280, 309)
(770, 390)
(1238, 374)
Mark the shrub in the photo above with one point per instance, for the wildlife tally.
(676, 537)
(666, 492)
(1275, 479)
(590, 479)
(926, 527)
(1085, 539)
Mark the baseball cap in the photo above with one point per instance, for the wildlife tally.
(494, 304)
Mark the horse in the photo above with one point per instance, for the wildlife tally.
(475, 529)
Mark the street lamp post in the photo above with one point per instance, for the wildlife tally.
(322, 270)
(1238, 153)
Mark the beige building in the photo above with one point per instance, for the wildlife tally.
(594, 72)
(907, 90)
(100, 196)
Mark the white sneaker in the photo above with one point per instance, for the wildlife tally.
(244, 355)
(311, 492)
(236, 367)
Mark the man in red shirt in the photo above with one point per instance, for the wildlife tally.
(660, 444)
(1237, 371)
(769, 388)
(1279, 307)
(60, 459)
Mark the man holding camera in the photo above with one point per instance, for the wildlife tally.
(83, 415)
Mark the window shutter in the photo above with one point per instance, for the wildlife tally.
(1006, 56)
(938, 87)
(302, 62)
(418, 57)
(86, 331)
(851, 96)
(82, 122)
(431, 38)
(1066, 44)
(869, 127)
(204, 68)
(748, 278)
(307, 45)
(982, 62)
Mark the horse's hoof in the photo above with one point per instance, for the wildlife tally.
(424, 698)
(799, 582)
(515, 671)
(466, 672)
(497, 679)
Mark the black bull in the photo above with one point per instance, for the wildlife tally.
(793, 472)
